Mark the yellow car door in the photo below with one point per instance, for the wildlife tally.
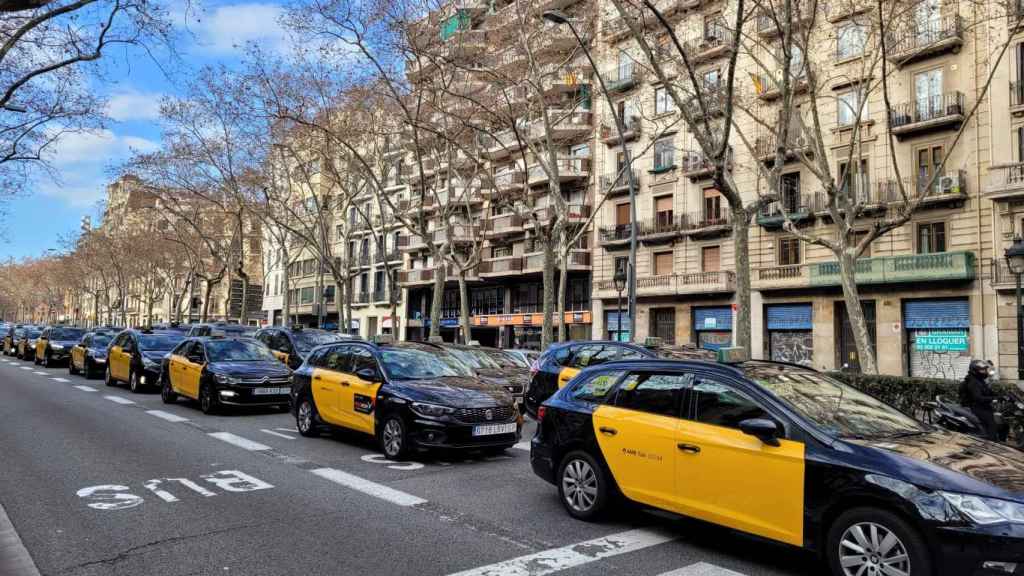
(41, 344)
(192, 370)
(121, 357)
(78, 357)
(638, 435)
(725, 474)
(328, 383)
(175, 368)
(358, 393)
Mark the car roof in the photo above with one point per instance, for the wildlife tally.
(747, 369)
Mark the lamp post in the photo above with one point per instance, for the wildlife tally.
(620, 279)
(1015, 261)
(558, 17)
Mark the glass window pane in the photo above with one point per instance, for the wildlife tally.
(721, 405)
(654, 393)
(596, 389)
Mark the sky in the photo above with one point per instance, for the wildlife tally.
(134, 84)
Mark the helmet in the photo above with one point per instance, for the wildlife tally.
(979, 368)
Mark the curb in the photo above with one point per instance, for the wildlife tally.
(14, 558)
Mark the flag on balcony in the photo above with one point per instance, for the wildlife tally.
(758, 84)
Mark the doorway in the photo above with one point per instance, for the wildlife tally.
(846, 351)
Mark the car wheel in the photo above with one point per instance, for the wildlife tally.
(873, 542)
(71, 367)
(306, 416)
(88, 370)
(167, 393)
(207, 401)
(133, 382)
(35, 359)
(108, 378)
(583, 486)
(394, 442)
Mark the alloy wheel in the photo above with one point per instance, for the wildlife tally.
(305, 416)
(205, 400)
(579, 485)
(393, 437)
(870, 549)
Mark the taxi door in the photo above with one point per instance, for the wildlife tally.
(191, 370)
(327, 382)
(731, 478)
(78, 355)
(358, 397)
(579, 360)
(41, 344)
(119, 358)
(637, 434)
(176, 368)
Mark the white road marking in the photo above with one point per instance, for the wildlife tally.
(26, 367)
(381, 459)
(244, 443)
(119, 400)
(86, 388)
(292, 430)
(278, 434)
(703, 569)
(524, 445)
(60, 379)
(40, 372)
(558, 559)
(367, 487)
(166, 416)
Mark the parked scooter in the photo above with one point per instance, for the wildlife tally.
(952, 416)
(1012, 412)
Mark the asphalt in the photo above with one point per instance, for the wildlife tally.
(328, 505)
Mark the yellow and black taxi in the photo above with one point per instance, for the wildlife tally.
(219, 372)
(136, 356)
(89, 355)
(25, 346)
(55, 343)
(788, 454)
(405, 395)
(492, 363)
(10, 339)
(291, 344)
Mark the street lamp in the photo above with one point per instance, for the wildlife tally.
(1015, 261)
(620, 279)
(558, 17)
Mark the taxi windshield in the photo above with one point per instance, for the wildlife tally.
(839, 409)
(66, 334)
(159, 342)
(309, 339)
(411, 364)
(100, 340)
(506, 360)
(32, 334)
(238, 351)
(475, 359)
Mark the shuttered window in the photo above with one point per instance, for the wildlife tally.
(663, 264)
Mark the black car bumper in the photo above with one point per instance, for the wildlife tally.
(60, 355)
(436, 434)
(979, 550)
(234, 395)
(542, 460)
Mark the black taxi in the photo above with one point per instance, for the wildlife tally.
(89, 356)
(789, 454)
(135, 356)
(405, 395)
(219, 372)
(55, 343)
(25, 345)
(291, 344)
(11, 334)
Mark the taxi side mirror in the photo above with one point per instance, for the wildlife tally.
(763, 429)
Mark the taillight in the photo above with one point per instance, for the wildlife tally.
(541, 412)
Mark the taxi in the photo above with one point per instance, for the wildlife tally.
(55, 343)
(135, 356)
(25, 346)
(219, 372)
(404, 394)
(11, 335)
(494, 364)
(291, 344)
(218, 328)
(789, 454)
(89, 356)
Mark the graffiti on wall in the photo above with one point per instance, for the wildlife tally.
(948, 365)
(795, 346)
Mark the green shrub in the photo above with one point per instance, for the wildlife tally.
(907, 392)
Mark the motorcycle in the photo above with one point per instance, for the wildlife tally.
(952, 416)
(1012, 410)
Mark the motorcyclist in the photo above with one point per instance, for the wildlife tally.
(977, 396)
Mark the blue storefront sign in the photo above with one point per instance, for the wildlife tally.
(941, 340)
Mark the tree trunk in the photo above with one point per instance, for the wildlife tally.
(243, 315)
(150, 301)
(741, 259)
(207, 289)
(549, 294)
(440, 275)
(855, 313)
(286, 299)
(563, 286)
(464, 307)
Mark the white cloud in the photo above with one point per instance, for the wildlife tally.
(132, 104)
(227, 28)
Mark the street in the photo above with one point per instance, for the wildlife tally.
(99, 481)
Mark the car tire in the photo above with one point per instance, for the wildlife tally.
(306, 417)
(88, 370)
(133, 382)
(167, 394)
(393, 438)
(583, 486)
(108, 378)
(207, 401)
(846, 539)
(36, 360)
(71, 367)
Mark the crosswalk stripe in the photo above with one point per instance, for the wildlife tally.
(278, 434)
(166, 416)
(367, 487)
(60, 379)
(558, 559)
(40, 372)
(119, 400)
(26, 367)
(239, 441)
(86, 388)
(703, 569)
(524, 445)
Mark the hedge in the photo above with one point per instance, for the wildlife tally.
(907, 392)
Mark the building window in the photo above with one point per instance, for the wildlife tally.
(791, 192)
(859, 181)
(621, 263)
(849, 107)
(663, 264)
(664, 155)
(929, 160)
(855, 237)
(712, 206)
(501, 251)
(663, 214)
(789, 251)
(851, 40)
(329, 294)
(306, 295)
(712, 79)
(710, 259)
(663, 103)
(931, 238)
(928, 95)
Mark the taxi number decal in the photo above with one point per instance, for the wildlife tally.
(641, 454)
(362, 404)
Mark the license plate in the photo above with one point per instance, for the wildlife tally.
(100, 360)
(270, 391)
(492, 429)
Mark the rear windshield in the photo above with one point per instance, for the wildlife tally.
(306, 340)
(66, 334)
(159, 342)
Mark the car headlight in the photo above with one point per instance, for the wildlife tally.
(56, 347)
(431, 410)
(986, 510)
(225, 379)
(150, 364)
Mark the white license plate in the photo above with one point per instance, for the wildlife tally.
(492, 429)
(100, 360)
(270, 391)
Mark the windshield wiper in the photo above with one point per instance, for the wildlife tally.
(906, 434)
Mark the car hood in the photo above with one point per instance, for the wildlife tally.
(155, 355)
(98, 351)
(520, 376)
(454, 391)
(951, 461)
(64, 343)
(248, 370)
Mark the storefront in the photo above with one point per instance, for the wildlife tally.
(616, 326)
(712, 327)
(790, 333)
(938, 337)
(524, 331)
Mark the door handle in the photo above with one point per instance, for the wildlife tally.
(344, 383)
(608, 431)
(689, 448)
(317, 378)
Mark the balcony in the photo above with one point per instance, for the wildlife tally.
(796, 208)
(1002, 278)
(364, 258)
(465, 45)
(765, 147)
(767, 27)
(614, 236)
(568, 168)
(501, 266)
(578, 260)
(700, 225)
(565, 125)
(940, 266)
(510, 180)
(446, 196)
(664, 227)
(867, 197)
(927, 114)
(771, 86)
(780, 277)
(918, 39)
(618, 182)
(411, 242)
(458, 234)
(722, 281)
(948, 189)
(361, 299)
(695, 165)
(381, 297)
(623, 77)
(715, 42)
(574, 214)
(499, 145)
(713, 98)
(1005, 182)
(502, 225)
(631, 129)
(419, 276)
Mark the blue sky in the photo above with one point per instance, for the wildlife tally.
(50, 208)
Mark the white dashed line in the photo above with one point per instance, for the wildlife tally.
(40, 372)
(26, 367)
(703, 569)
(524, 445)
(292, 430)
(166, 416)
(119, 400)
(86, 388)
(278, 434)
(244, 443)
(60, 379)
(558, 559)
(367, 487)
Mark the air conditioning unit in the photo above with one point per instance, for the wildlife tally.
(949, 184)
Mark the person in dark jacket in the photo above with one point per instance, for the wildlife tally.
(977, 396)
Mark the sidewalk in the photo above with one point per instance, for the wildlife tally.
(14, 558)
